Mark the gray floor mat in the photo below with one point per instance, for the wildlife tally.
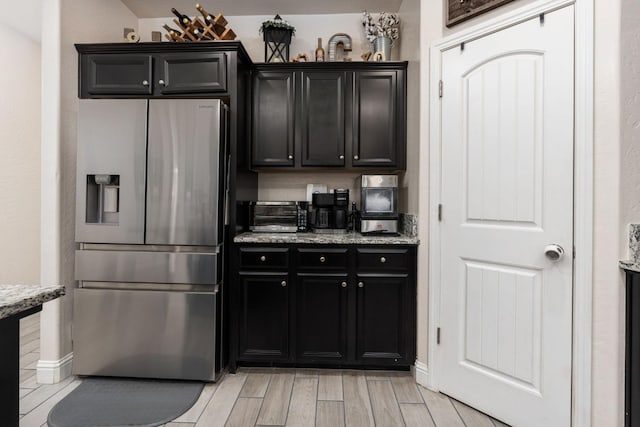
(124, 402)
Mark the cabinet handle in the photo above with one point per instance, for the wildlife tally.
(361, 284)
(161, 82)
(290, 157)
(263, 258)
(145, 83)
(383, 259)
(283, 283)
(343, 284)
(322, 259)
(341, 157)
(356, 157)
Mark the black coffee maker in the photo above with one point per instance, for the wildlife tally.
(330, 211)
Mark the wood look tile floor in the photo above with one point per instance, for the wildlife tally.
(276, 397)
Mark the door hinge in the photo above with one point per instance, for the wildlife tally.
(438, 335)
(440, 212)
(440, 88)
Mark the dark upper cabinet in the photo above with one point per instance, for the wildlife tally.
(272, 142)
(322, 118)
(321, 324)
(183, 73)
(264, 317)
(378, 117)
(340, 115)
(115, 74)
(146, 70)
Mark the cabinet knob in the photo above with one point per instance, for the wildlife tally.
(290, 157)
(343, 284)
(361, 284)
(263, 258)
(322, 259)
(145, 83)
(383, 259)
(283, 283)
(341, 157)
(356, 157)
(161, 82)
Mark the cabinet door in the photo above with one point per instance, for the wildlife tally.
(203, 72)
(273, 119)
(264, 317)
(322, 113)
(384, 324)
(377, 131)
(116, 74)
(321, 324)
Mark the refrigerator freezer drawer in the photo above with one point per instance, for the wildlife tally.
(148, 267)
(146, 334)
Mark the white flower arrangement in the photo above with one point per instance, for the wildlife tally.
(386, 25)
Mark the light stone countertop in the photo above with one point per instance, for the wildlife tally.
(322, 239)
(15, 299)
(633, 264)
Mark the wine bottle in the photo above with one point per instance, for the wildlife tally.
(319, 51)
(181, 18)
(169, 29)
(210, 19)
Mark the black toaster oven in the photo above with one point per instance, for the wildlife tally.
(278, 217)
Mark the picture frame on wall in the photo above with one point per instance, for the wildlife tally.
(460, 10)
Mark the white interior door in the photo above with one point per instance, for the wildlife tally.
(507, 193)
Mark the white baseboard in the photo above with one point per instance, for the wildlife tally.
(422, 374)
(53, 371)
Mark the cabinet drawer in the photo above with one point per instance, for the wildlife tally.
(322, 259)
(264, 258)
(382, 259)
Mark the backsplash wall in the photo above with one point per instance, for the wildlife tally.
(283, 186)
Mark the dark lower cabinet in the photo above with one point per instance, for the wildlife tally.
(321, 324)
(344, 306)
(632, 350)
(383, 311)
(264, 317)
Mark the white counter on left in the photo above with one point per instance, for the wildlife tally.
(15, 299)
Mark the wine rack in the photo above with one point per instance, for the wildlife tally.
(210, 27)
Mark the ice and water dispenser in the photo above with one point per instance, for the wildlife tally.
(102, 201)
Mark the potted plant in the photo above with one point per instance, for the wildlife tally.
(381, 32)
(277, 35)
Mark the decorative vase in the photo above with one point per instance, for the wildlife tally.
(383, 44)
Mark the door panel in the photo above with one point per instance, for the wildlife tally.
(192, 73)
(321, 325)
(112, 137)
(323, 118)
(507, 192)
(184, 172)
(273, 119)
(264, 320)
(117, 74)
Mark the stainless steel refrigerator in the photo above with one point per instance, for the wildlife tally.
(150, 214)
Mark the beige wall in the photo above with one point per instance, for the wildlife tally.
(78, 24)
(19, 158)
(308, 29)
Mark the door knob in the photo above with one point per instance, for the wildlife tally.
(554, 252)
(322, 259)
(263, 258)
(344, 284)
(361, 284)
(283, 283)
(145, 83)
(161, 82)
(341, 157)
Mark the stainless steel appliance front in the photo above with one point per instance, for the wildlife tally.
(147, 334)
(150, 197)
